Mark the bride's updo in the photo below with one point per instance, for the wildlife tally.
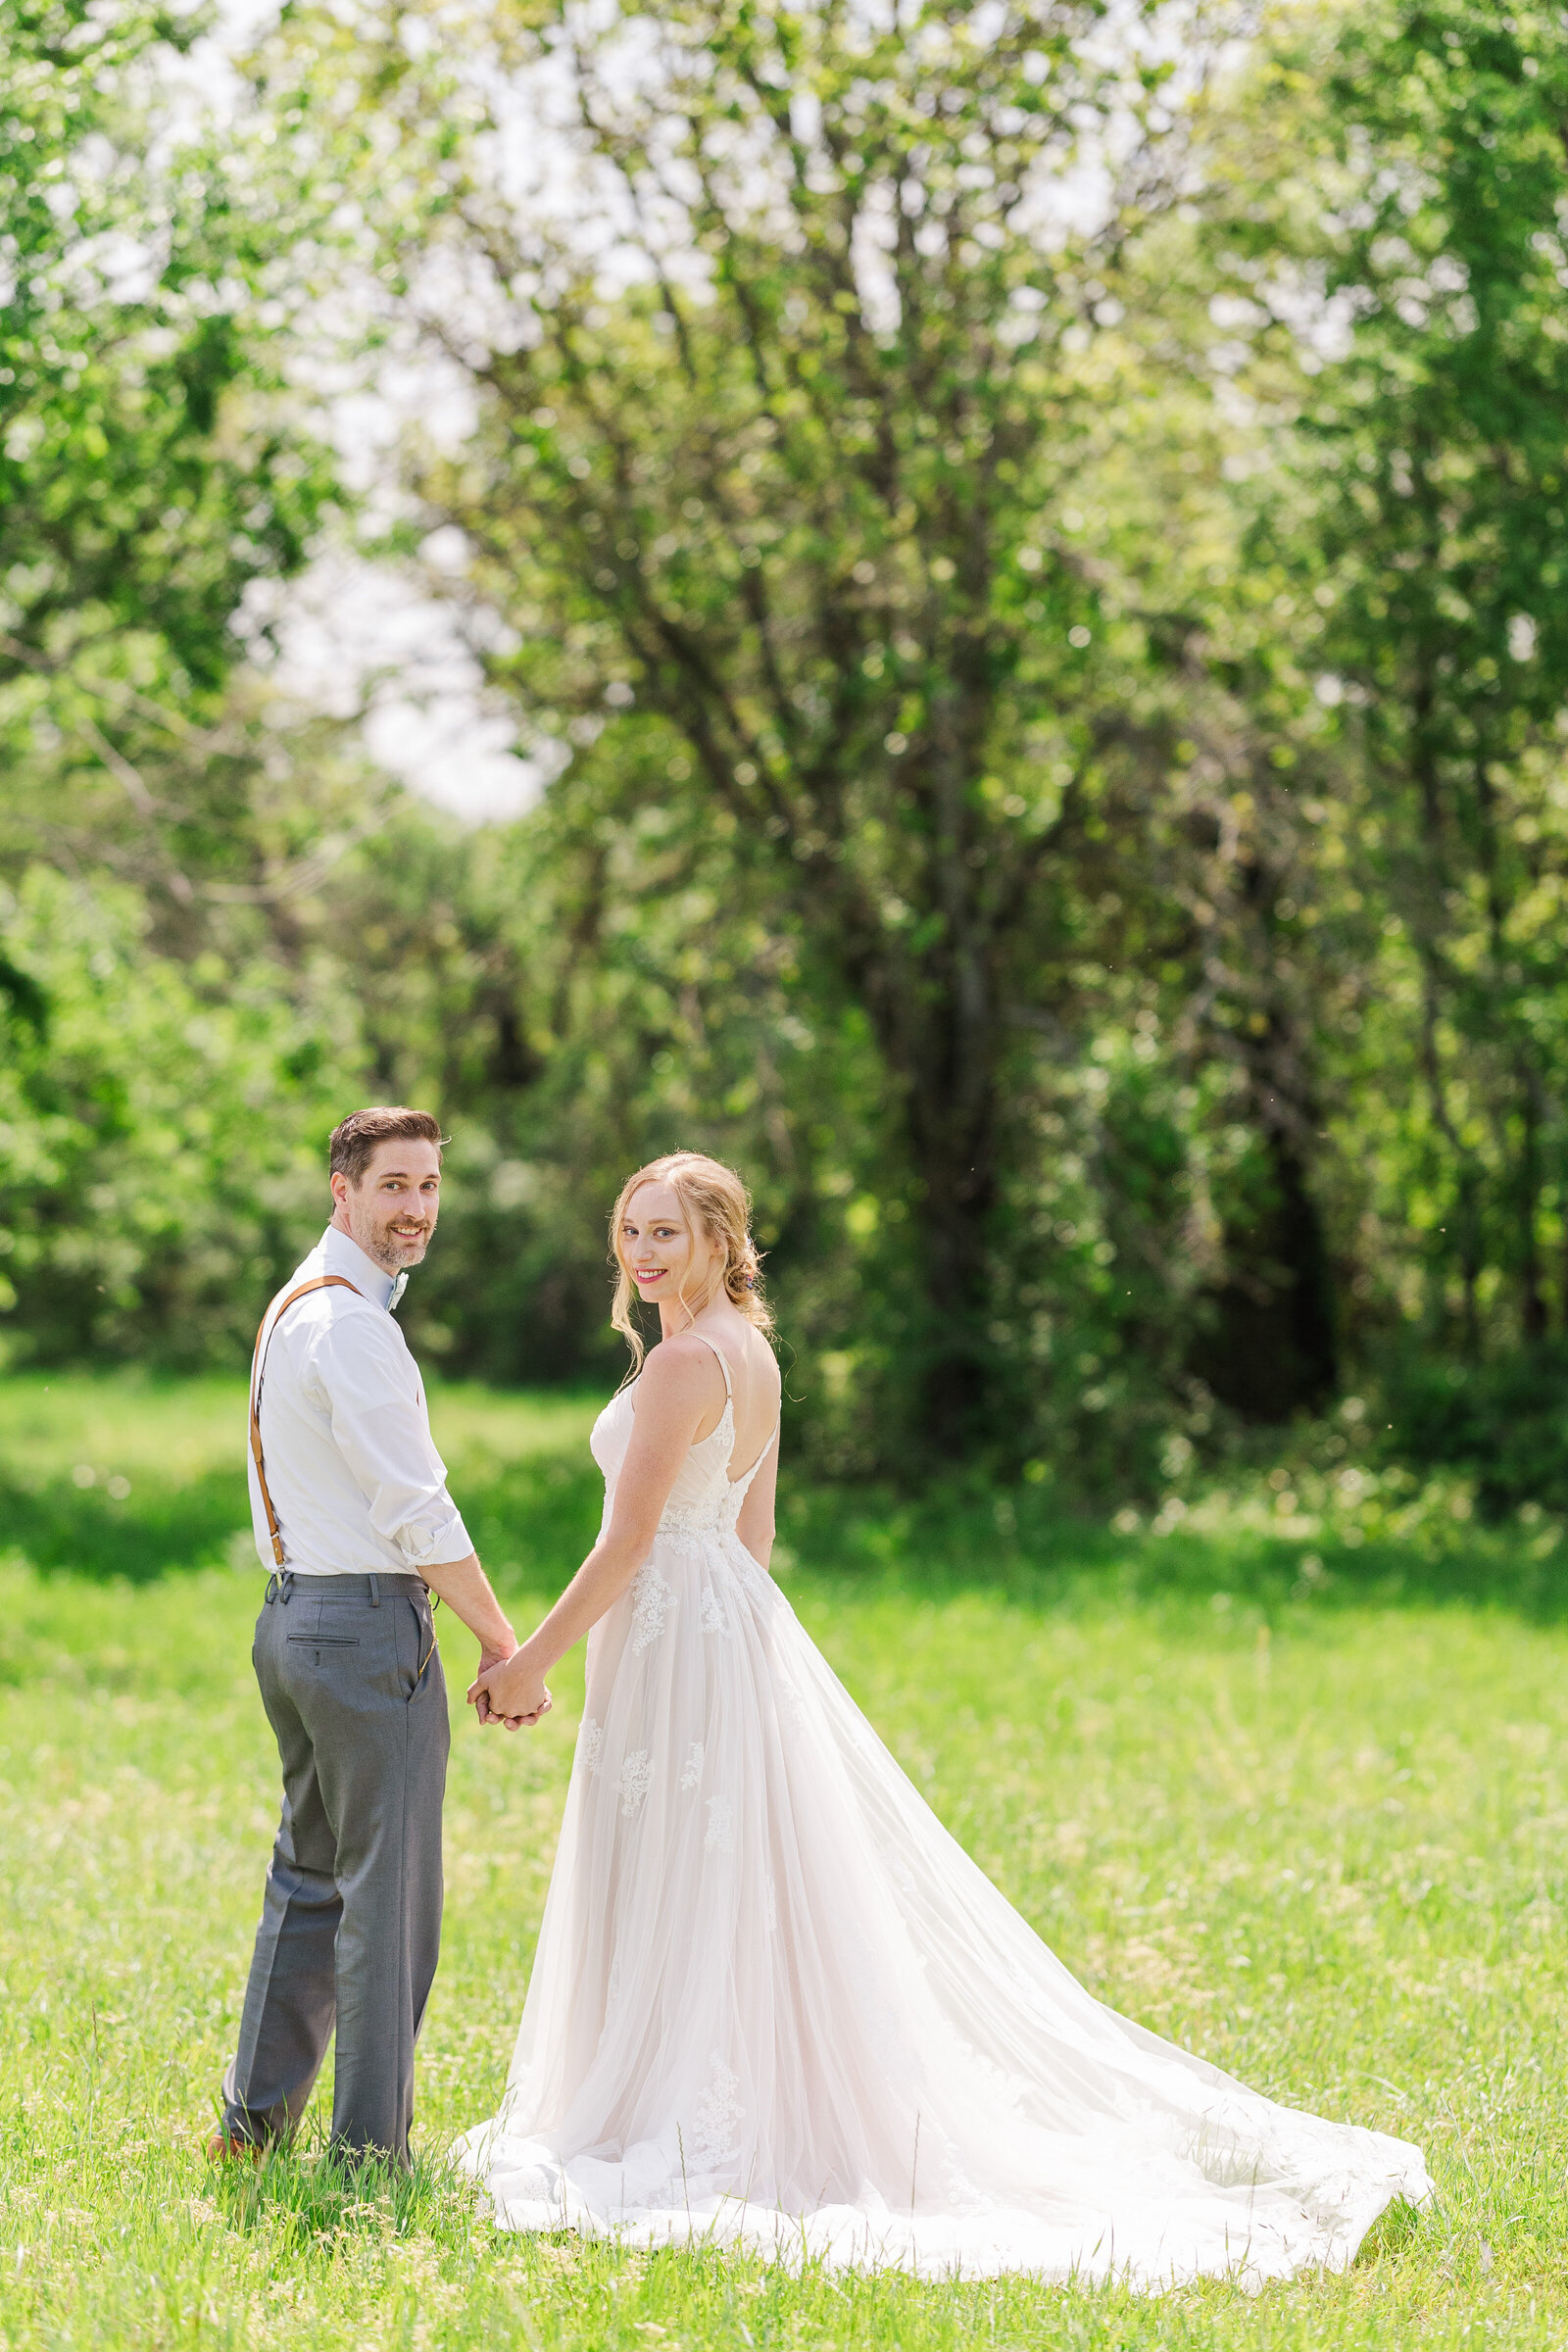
(718, 1204)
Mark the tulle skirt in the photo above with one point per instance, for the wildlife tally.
(775, 2005)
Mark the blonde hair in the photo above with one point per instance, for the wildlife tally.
(717, 1203)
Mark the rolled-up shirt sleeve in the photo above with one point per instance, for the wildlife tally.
(379, 1425)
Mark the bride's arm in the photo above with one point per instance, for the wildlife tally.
(674, 1396)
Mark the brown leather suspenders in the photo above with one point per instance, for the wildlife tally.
(322, 1282)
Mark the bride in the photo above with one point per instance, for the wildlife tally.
(775, 2003)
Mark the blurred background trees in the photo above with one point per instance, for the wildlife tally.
(1023, 545)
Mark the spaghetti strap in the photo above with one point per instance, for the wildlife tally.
(723, 1361)
(741, 1484)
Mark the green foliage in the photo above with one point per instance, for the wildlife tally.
(146, 476)
(1054, 714)
(1501, 1423)
(619, 994)
(1425, 572)
(161, 1128)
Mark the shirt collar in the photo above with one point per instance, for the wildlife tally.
(341, 1255)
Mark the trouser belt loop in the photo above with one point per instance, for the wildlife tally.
(286, 1586)
(375, 1592)
(271, 1589)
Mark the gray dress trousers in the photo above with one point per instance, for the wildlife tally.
(350, 1919)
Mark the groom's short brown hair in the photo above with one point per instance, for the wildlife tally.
(354, 1140)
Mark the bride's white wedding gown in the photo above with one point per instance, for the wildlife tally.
(775, 2003)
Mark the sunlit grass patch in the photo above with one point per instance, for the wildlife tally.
(1319, 1838)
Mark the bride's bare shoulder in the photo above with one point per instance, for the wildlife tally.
(680, 1366)
(762, 1362)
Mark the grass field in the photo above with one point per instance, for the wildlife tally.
(1289, 1785)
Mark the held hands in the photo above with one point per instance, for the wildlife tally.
(508, 1689)
(489, 1655)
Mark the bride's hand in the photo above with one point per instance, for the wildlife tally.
(479, 1699)
(512, 1692)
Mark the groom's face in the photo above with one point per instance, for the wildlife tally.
(391, 1212)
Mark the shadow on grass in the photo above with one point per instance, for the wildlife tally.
(305, 2194)
(1397, 2227)
(60, 1526)
(531, 1520)
(1021, 1543)
(535, 1519)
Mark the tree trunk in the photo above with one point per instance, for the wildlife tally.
(949, 1119)
(1532, 1297)
(1467, 1211)
(1308, 1295)
(1273, 1351)
(934, 1022)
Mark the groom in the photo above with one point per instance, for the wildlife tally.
(355, 1525)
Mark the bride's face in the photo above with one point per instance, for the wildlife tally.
(668, 1258)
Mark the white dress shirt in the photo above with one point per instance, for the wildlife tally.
(353, 1471)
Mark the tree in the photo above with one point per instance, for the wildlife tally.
(779, 460)
(160, 1138)
(150, 472)
(1432, 461)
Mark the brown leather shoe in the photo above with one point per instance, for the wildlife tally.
(229, 2147)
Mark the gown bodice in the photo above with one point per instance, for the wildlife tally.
(704, 1499)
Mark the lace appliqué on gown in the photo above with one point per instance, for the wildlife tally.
(652, 1600)
(718, 2115)
(688, 1527)
(590, 1743)
(720, 1838)
(711, 1613)
(636, 1779)
(691, 1772)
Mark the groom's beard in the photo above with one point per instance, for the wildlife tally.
(393, 1253)
(398, 1252)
